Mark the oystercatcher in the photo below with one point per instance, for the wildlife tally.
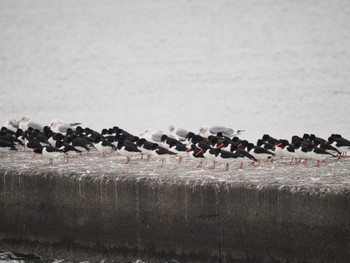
(6, 147)
(50, 153)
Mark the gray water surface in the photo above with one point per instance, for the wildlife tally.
(278, 67)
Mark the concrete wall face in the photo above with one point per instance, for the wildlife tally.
(190, 221)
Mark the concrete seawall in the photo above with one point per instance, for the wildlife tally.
(186, 220)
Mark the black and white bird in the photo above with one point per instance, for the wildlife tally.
(104, 146)
(259, 153)
(162, 154)
(270, 139)
(242, 155)
(279, 146)
(8, 135)
(146, 147)
(6, 147)
(31, 143)
(127, 148)
(318, 154)
(225, 157)
(196, 154)
(50, 153)
(340, 143)
(302, 150)
(80, 142)
(180, 149)
(70, 151)
(289, 152)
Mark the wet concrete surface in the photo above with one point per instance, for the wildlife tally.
(333, 174)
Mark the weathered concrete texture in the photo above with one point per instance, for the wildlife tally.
(191, 221)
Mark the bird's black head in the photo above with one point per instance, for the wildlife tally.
(306, 136)
(140, 142)
(297, 144)
(79, 129)
(265, 137)
(19, 132)
(154, 146)
(116, 129)
(98, 139)
(259, 142)
(190, 135)
(197, 138)
(38, 150)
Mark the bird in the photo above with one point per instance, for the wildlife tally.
(197, 154)
(11, 124)
(289, 152)
(318, 154)
(279, 146)
(41, 137)
(70, 151)
(179, 133)
(80, 142)
(6, 146)
(225, 157)
(162, 153)
(168, 140)
(269, 139)
(50, 153)
(24, 123)
(315, 139)
(180, 149)
(340, 143)
(8, 135)
(329, 148)
(302, 150)
(154, 136)
(127, 148)
(214, 130)
(258, 152)
(146, 147)
(61, 126)
(266, 145)
(103, 146)
(30, 142)
(200, 142)
(242, 154)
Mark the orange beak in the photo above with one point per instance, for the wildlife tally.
(277, 145)
(220, 146)
(199, 152)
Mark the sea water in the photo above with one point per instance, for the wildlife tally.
(278, 67)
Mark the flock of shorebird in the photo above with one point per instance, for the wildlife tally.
(216, 144)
